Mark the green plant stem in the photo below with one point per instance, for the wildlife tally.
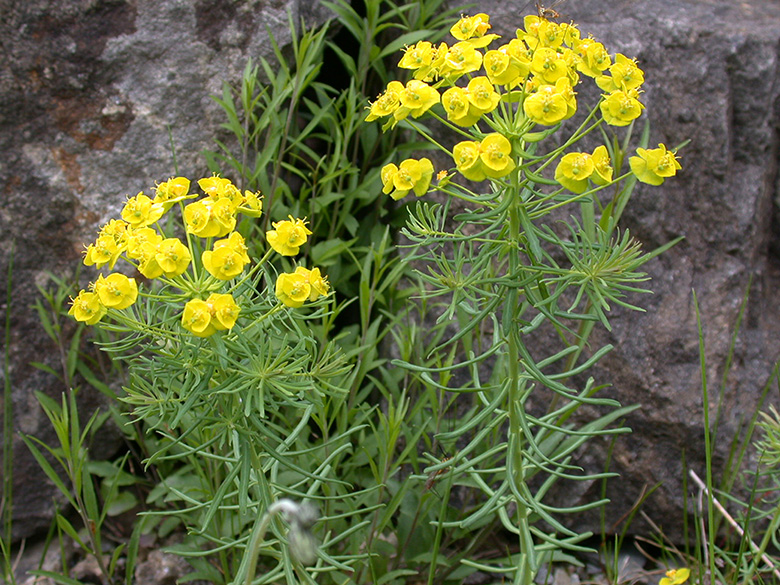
(707, 439)
(515, 471)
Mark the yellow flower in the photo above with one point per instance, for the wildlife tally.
(482, 95)
(214, 186)
(387, 103)
(224, 213)
(470, 26)
(117, 229)
(199, 219)
(116, 291)
(546, 106)
(173, 257)
(171, 191)
(520, 56)
(417, 56)
(653, 166)
(252, 204)
(625, 75)
(620, 108)
(104, 251)
(531, 33)
(224, 311)
(472, 29)
(461, 58)
(417, 98)
(288, 236)
(548, 65)
(228, 258)
(86, 307)
(564, 87)
(467, 159)
(675, 577)
(318, 283)
(573, 171)
(196, 318)
(602, 166)
(500, 68)
(140, 211)
(571, 34)
(169, 257)
(137, 239)
(437, 65)
(594, 57)
(550, 34)
(413, 175)
(458, 108)
(217, 313)
(496, 155)
(293, 289)
(229, 194)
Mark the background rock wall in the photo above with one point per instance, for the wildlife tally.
(89, 91)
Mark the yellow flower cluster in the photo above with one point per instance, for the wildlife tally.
(156, 256)
(412, 175)
(538, 69)
(491, 157)
(654, 165)
(217, 313)
(575, 168)
(144, 245)
(295, 288)
(116, 291)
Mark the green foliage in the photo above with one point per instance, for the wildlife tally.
(749, 552)
(71, 458)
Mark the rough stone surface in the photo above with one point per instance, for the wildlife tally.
(89, 92)
(90, 89)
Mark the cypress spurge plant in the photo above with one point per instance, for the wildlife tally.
(506, 273)
(224, 370)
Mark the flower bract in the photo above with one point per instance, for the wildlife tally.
(116, 291)
(412, 175)
(86, 307)
(288, 236)
(654, 165)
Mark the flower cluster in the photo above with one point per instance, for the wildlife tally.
(156, 256)
(491, 157)
(654, 165)
(288, 236)
(575, 168)
(295, 288)
(412, 175)
(217, 313)
(476, 77)
(139, 238)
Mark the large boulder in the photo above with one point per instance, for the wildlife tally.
(95, 96)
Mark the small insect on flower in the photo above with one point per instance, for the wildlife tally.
(549, 12)
(434, 475)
